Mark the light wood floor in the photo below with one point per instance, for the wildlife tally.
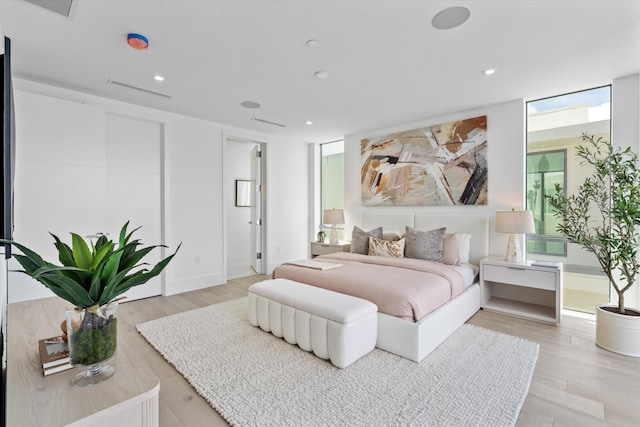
(575, 383)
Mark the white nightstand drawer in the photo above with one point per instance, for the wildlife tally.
(520, 276)
(320, 249)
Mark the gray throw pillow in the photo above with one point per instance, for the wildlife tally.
(360, 239)
(425, 245)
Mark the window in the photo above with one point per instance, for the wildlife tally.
(545, 169)
(554, 129)
(332, 179)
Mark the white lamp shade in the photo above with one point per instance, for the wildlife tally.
(333, 216)
(515, 222)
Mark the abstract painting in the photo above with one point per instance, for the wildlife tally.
(440, 165)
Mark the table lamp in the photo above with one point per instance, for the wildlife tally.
(514, 222)
(333, 217)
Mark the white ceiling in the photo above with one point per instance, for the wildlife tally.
(387, 65)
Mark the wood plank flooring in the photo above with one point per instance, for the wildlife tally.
(575, 383)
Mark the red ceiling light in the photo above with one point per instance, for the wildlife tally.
(137, 41)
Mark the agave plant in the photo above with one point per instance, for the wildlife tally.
(90, 277)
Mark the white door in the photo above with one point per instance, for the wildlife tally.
(133, 188)
(255, 239)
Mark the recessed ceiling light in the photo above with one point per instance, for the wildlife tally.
(250, 104)
(489, 71)
(321, 74)
(451, 17)
(309, 122)
(158, 78)
(312, 42)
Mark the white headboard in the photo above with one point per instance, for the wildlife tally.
(476, 224)
(390, 222)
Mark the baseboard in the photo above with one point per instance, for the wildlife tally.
(193, 284)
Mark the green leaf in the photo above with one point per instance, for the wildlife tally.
(31, 255)
(81, 253)
(111, 267)
(130, 261)
(65, 255)
(96, 285)
(123, 232)
(140, 278)
(101, 252)
(61, 285)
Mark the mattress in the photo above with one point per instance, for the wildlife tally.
(402, 287)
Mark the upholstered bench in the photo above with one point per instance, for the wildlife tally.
(334, 326)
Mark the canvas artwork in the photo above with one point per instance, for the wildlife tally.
(440, 165)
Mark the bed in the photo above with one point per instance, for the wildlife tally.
(409, 324)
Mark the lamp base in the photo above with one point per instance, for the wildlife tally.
(333, 237)
(514, 253)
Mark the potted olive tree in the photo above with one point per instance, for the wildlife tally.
(604, 218)
(92, 277)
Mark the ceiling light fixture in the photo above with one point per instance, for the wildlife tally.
(158, 78)
(489, 71)
(309, 122)
(312, 42)
(250, 104)
(321, 74)
(450, 17)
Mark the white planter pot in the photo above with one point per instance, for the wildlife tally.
(618, 333)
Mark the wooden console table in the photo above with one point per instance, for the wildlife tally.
(130, 397)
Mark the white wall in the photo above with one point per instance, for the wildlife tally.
(60, 178)
(625, 124)
(193, 190)
(506, 160)
(289, 199)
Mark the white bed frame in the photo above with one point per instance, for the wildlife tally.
(415, 340)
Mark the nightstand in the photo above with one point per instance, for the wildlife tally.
(321, 248)
(521, 290)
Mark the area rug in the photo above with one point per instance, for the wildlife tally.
(477, 377)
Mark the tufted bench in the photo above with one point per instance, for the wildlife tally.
(335, 326)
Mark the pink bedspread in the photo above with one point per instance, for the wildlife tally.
(402, 287)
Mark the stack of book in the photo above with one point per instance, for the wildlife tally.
(549, 264)
(54, 355)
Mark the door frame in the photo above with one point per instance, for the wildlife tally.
(229, 187)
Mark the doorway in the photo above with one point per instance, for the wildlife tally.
(245, 204)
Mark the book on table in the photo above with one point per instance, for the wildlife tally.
(54, 353)
(57, 368)
(548, 264)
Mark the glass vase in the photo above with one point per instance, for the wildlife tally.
(93, 338)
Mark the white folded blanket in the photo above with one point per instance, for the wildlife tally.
(316, 265)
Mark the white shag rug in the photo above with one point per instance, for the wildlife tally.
(477, 377)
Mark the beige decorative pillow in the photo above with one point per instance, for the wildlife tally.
(386, 248)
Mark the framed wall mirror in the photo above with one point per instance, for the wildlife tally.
(243, 192)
